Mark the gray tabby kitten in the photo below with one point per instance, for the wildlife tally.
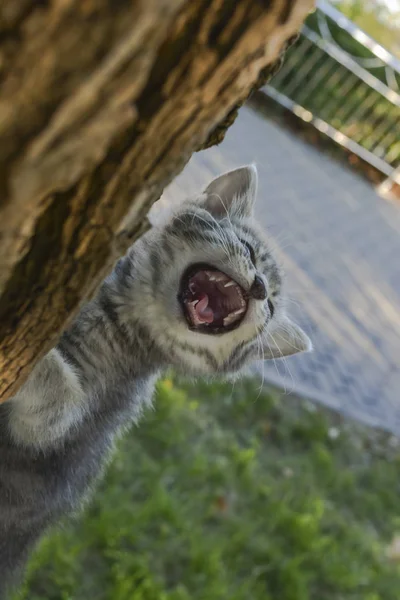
(201, 293)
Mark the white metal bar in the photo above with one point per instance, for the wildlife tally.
(359, 35)
(350, 64)
(328, 130)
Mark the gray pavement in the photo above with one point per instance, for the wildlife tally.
(339, 244)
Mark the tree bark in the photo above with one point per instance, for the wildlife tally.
(102, 102)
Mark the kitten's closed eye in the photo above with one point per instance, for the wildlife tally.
(252, 255)
(250, 250)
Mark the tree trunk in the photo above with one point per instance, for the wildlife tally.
(102, 102)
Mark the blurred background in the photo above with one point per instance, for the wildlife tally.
(285, 485)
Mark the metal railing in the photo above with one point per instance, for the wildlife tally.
(348, 89)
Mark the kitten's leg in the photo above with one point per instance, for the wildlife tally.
(38, 417)
(49, 404)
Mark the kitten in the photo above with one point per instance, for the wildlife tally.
(201, 293)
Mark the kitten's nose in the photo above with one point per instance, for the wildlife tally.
(258, 289)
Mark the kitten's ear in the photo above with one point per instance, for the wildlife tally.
(285, 339)
(232, 193)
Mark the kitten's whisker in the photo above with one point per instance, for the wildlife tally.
(286, 341)
(287, 299)
(261, 356)
(276, 368)
(305, 291)
(286, 365)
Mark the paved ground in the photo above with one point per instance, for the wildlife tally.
(340, 246)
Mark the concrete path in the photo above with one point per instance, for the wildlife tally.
(340, 247)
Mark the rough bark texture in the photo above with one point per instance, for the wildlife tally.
(102, 102)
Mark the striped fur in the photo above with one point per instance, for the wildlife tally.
(57, 432)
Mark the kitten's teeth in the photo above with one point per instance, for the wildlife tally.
(233, 316)
(230, 283)
(216, 276)
(229, 319)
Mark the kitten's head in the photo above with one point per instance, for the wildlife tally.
(207, 286)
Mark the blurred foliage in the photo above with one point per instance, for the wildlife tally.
(229, 491)
(375, 18)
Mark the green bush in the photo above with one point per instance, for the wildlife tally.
(229, 492)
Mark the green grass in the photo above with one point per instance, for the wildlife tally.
(226, 493)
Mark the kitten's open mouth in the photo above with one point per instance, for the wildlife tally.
(212, 301)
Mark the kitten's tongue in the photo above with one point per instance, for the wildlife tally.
(203, 311)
